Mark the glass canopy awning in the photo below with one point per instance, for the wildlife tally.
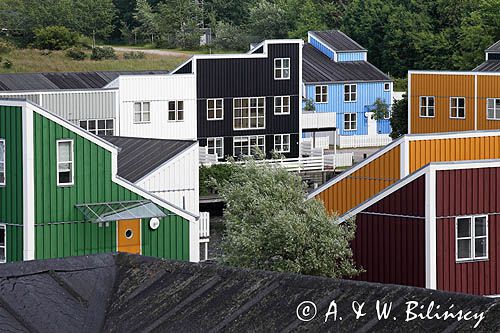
(123, 210)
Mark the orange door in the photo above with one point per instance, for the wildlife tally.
(129, 236)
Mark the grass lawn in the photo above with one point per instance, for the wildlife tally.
(33, 61)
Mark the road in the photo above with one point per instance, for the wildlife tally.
(150, 51)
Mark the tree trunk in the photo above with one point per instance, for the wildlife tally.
(93, 39)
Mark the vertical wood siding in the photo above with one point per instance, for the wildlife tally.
(59, 227)
(363, 183)
(391, 249)
(468, 192)
(11, 195)
(442, 87)
(488, 86)
(459, 149)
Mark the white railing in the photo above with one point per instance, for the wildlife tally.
(319, 141)
(338, 160)
(301, 164)
(356, 141)
(204, 232)
(319, 119)
(205, 157)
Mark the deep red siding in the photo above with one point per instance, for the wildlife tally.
(391, 248)
(467, 192)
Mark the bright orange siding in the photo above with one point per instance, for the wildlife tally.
(487, 87)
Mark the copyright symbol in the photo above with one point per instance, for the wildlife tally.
(306, 311)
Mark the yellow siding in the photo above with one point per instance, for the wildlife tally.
(488, 86)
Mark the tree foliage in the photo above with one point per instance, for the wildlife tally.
(380, 110)
(270, 226)
(399, 118)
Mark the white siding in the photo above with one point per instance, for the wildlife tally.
(158, 90)
(177, 181)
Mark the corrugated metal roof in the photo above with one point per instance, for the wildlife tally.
(63, 80)
(489, 66)
(132, 293)
(494, 48)
(138, 157)
(319, 68)
(338, 41)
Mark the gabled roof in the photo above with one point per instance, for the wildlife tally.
(338, 41)
(488, 66)
(494, 48)
(130, 293)
(318, 68)
(63, 80)
(138, 157)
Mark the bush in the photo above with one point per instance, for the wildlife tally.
(102, 53)
(7, 64)
(134, 55)
(76, 54)
(5, 46)
(229, 36)
(212, 175)
(54, 38)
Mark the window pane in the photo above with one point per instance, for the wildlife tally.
(463, 228)
(453, 102)
(101, 124)
(211, 114)
(277, 101)
(92, 125)
(83, 124)
(137, 107)
(64, 177)
(145, 106)
(146, 117)
(171, 105)
(2, 254)
(464, 249)
(277, 73)
(286, 63)
(210, 103)
(137, 117)
(171, 115)
(180, 115)
(64, 151)
(346, 89)
(480, 226)
(109, 124)
(180, 105)
(286, 73)
(480, 248)
(219, 103)
(2, 236)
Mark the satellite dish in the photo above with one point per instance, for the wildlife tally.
(154, 223)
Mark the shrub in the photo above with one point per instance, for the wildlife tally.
(76, 54)
(7, 64)
(134, 55)
(5, 46)
(212, 175)
(54, 38)
(102, 53)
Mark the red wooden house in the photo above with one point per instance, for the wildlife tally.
(438, 228)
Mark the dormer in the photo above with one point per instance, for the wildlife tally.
(493, 52)
(337, 46)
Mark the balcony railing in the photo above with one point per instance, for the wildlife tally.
(319, 120)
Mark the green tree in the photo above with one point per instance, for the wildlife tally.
(380, 110)
(95, 18)
(399, 118)
(147, 21)
(304, 16)
(55, 38)
(266, 21)
(270, 226)
(178, 22)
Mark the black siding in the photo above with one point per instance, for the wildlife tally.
(186, 69)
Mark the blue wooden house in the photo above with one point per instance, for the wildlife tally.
(342, 87)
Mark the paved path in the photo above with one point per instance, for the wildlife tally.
(151, 51)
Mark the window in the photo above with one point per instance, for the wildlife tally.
(215, 109)
(493, 108)
(350, 92)
(216, 146)
(98, 126)
(3, 243)
(142, 112)
(249, 113)
(247, 145)
(387, 86)
(281, 68)
(282, 143)
(175, 111)
(427, 106)
(457, 107)
(321, 94)
(64, 162)
(471, 237)
(282, 105)
(350, 121)
(2, 163)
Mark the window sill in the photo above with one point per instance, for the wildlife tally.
(142, 122)
(249, 129)
(282, 79)
(468, 261)
(493, 119)
(65, 185)
(427, 116)
(209, 119)
(457, 118)
(282, 114)
(350, 101)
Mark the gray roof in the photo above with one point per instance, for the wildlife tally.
(63, 80)
(338, 41)
(489, 66)
(130, 293)
(318, 68)
(494, 48)
(138, 157)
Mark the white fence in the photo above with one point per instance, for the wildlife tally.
(319, 141)
(205, 232)
(357, 141)
(319, 120)
(301, 164)
(338, 160)
(206, 158)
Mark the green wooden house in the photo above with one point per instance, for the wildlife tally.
(60, 195)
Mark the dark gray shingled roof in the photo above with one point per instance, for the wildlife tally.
(494, 48)
(64, 80)
(318, 68)
(130, 293)
(338, 41)
(488, 66)
(138, 157)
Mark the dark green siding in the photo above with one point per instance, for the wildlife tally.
(60, 229)
(11, 195)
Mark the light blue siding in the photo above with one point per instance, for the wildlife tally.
(367, 94)
(351, 56)
(321, 47)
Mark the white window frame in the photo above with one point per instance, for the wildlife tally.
(426, 107)
(97, 129)
(280, 145)
(278, 109)
(249, 139)
(176, 111)
(215, 146)
(388, 85)
(141, 112)
(215, 109)
(3, 168)
(350, 121)
(349, 100)
(321, 94)
(496, 105)
(72, 162)
(249, 117)
(472, 239)
(4, 227)
(457, 107)
(280, 68)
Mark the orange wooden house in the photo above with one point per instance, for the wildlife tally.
(401, 158)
